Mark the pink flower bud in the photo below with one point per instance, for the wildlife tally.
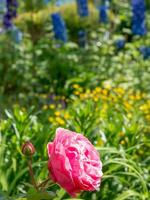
(28, 148)
(74, 163)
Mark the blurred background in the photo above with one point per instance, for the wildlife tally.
(82, 65)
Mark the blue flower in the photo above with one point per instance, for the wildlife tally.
(103, 14)
(145, 51)
(59, 27)
(138, 17)
(120, 43)
(11, 12)
(82, 38)
(82, 8)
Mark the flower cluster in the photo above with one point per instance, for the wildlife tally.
(145, 51)
(82, 38)
(10, 13)
(104, 98)
(82, 8)
(115, 96)
(59, 27)
(138, 17)
(103, 14)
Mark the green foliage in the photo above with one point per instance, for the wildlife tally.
(99, 91)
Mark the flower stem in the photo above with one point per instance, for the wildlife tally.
(32, 174)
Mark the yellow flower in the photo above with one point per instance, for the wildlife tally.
(121, 133)
(105, 92)
(51, 119)
(127, 105)
(76, 86)
(144, 107)
(60, 121)
(135, 97)
(45, 107)
(82, 96)
(76, 92)
(57, 113)
(119, 91)
(95, 99)
(104, 97)
(52, 106)
(122, 142)
(66, 115)
(98, 89)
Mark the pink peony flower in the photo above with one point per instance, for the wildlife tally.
(73, 162)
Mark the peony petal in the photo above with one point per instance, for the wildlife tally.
(74, 163)
(50, 148)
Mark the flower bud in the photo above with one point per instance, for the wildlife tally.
(28, 148)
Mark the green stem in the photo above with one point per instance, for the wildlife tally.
(32, 174)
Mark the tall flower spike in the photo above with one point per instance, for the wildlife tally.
(82, 6)
(11, 13)
(103, 14)
(138, 17)
(59, 27)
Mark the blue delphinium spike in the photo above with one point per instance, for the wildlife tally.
(120, 43)
(11, 13)
(82, 38)
(138, 17)
(103, 14)
(59, 27)
(82, 6)
(145, 51)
